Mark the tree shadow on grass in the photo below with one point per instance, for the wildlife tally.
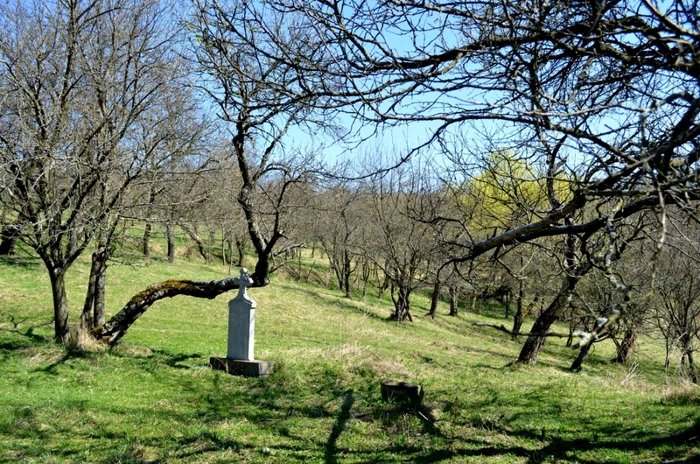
(27, 338)
(286, 404)
(343, 417)
(174, 359)
(27, 262)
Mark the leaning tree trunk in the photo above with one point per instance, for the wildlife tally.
(528, 354)
(114, 329)
(201, 246)
(582, 356)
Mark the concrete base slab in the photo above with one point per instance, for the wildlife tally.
(255, 368)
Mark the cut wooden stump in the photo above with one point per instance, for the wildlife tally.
(402, 392)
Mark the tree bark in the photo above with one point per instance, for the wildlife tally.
(691, 367)
(347, 270)
(687, 347)
(402, 303)
(114, 329)
(170, 235)
(99, 314)
(434, 298)
(147, 241)
(626, 346)
(93, 314)
(241, 252)
(507, 299)
(528, 354)
(60, 304)
(520, 314)
(383, 285)
(223, 247)
(8, 239)
(582, 356)
(454, 301)
(86, 317)
(201, 246)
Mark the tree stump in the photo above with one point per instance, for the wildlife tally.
(402, 392)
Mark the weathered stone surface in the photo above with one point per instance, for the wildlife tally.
(241, 336)
(253, 368)
(241, 322)
(402, 391)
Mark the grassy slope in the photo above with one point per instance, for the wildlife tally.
(153, 398)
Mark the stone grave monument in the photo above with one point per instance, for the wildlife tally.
(239, 358)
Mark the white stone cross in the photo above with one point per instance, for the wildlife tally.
(241, 322)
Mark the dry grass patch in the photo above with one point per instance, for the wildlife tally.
(683, 394)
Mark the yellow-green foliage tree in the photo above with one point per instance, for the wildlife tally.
(508, 192)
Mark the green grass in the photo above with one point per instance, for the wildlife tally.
(153, 398)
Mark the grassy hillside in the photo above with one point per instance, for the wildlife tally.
(153, 398)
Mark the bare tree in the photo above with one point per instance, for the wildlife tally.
(337, 227)
(259, 99)
(402, 245)
(75, 78)
(602, 95)
(678, 288)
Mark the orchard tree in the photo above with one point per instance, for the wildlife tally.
(75, 79)
(402, 245)
(677, 311)
(603, 94)
(259, 99)
(337, 227)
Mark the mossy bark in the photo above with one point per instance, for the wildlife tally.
(114, 329)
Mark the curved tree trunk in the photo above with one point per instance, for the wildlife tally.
(201, 246)
(114, 329)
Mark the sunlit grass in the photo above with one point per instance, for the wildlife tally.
(153, 398)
